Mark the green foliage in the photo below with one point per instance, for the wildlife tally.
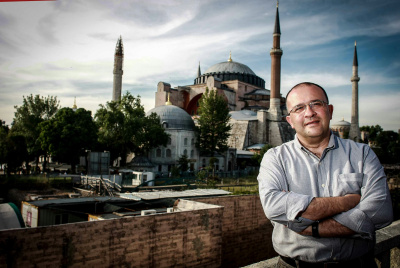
(183, 163)
(386, 144)
(68, 134)
(16, 152)
(213, 123)
(373, 132)
(175, 172)
(259, 155)
(28, 116)
(124, 127)
(3, 142)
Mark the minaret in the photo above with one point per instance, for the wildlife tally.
(199, 71)
(354, 133)
(276, 54)
(74, 107)
(118, 72)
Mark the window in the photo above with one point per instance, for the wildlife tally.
(185, 141)
(169, 141)
(168, 153)
(192, 154)
(192, 141)
(185, 152)
(158, 153)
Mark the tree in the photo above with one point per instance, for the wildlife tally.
(3, 143)
(213, 123)
(124, 127)
(28, 116)
(16, 152)
(373, 132)
(388, 150)
(386, 143)
(67, 134)
(183, 163)
(259, 155)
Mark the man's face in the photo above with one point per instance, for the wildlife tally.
(311, 123)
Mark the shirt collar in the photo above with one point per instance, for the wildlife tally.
(333, 143)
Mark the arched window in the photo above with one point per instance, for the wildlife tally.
(192, 141)
(158, 153)
(192, 154)
(168, 153)
(204, 162)
(169, 141)
(185, 152)
(164, 124)
(185, 141)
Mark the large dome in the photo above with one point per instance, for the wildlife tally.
(173, 117)
(229, 67)
(228, 71)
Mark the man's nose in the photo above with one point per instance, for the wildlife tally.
(309, 112)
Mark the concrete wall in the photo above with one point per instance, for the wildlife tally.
(246, 231)
(190, 239)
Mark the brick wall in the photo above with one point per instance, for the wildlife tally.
(233, 235)
(246, 232)
(185, 239)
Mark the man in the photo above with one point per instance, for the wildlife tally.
(324, 195)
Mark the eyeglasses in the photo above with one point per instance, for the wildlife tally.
(314, 105)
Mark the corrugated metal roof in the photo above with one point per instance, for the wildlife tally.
(173, 194)
(41, 203)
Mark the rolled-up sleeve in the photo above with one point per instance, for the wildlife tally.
(375, 208)
(279, 204)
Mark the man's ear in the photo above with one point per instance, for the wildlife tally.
(289, 120)
(330, 106)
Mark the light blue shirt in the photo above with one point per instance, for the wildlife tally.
(291, 176)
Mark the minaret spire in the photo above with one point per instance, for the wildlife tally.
(199, 71)
(354, 133)
(118, 72)
(74, 107)
(276, 54)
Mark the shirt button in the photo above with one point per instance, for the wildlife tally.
(323, 185)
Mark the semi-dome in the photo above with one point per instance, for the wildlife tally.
(229, 67)
(341, 123)
(173, 117)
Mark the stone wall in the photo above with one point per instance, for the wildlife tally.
(190, 239)
(246, 231)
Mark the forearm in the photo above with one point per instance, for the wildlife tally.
(326, 207)
(330, 228)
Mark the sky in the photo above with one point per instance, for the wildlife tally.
(65, 48)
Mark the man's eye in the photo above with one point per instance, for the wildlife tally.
(298, 109)
(316, 104)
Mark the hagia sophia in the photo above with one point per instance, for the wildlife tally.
(257, 113)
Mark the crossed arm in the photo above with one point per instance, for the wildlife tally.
(339, 216)
(323, 208)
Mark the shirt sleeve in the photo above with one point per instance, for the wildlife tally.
(375, 208)
(279, 204)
